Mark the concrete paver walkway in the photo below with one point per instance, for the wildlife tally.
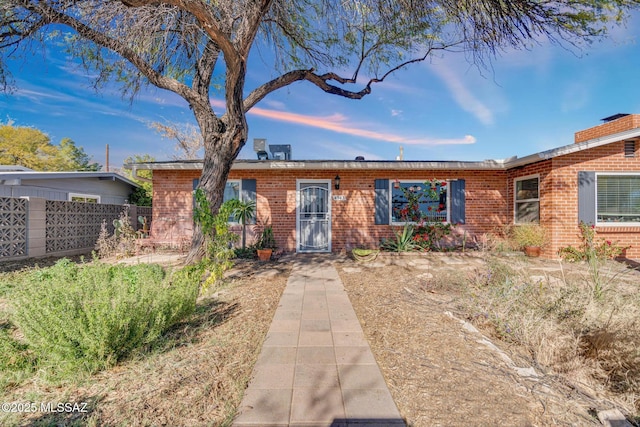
(316, 367)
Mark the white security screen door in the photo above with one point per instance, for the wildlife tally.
(314, 216)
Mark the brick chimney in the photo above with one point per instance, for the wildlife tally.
(613, 124)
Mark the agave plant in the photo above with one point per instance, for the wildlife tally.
(403, 241)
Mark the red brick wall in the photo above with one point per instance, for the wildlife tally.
(547, 198)
(622, 124)
(352, 220)
(489, 200)
(172, 219)
(608, 158)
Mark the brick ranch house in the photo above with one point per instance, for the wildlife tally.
(596, 179)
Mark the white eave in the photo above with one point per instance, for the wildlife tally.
(16, 177)
(327, 164)
(505, 164)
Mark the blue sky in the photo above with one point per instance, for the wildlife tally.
(443, 109)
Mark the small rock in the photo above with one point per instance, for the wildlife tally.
(613, 418)
(269, 272)
(425, 276)
(526, 372)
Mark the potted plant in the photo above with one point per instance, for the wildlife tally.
(266, 244)
(530, 237)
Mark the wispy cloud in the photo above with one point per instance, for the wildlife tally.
(462, 95)
(575, 97)
(340, 124)
(396, 113)
(346, 151)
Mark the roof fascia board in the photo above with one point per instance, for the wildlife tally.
(66, 175)
(337, 164)
(572, 148)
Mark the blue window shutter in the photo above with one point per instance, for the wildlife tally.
(248, 193)
(382, 201)
(587, 197)
(457, 201)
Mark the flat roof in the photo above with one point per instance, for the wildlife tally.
(498, 164)
(32, 175)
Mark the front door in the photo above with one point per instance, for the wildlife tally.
(314, 216)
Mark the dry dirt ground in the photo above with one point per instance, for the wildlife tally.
(442, 371)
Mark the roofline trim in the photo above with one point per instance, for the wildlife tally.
(505, 164)
(64, 175)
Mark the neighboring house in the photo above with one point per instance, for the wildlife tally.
(91, 187)
(596, 179)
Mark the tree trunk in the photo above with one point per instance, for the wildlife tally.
(220, 150)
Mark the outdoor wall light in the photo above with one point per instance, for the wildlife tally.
(337, 182)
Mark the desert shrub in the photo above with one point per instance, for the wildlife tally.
(560, 322)
(591, 248)
(90, 317)
(499, 240)
(595, 251)
(16, 360)
(219, 239)
(529, 235)
(121, 242)
(427, 235)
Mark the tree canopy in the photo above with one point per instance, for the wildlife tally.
(344, 48)
(143, 195)
(32, 148)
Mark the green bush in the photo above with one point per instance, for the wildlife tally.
(16, 361)
(89, 317)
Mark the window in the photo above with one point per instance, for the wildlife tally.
(617, 199)
(232, 191)
(412, 201)
(527, 200)
(85, 198)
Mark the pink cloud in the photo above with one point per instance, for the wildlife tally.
(339, 123)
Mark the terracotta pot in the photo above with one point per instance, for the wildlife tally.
(264, 254)
(532, 251)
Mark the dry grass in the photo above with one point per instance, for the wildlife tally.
(564, 325)
(584, 349)
(196, 376)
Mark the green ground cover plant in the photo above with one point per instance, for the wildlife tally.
(81, 318)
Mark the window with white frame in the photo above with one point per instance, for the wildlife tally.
(617, 199)
(413, 201)
(232, 191)
(85, 198)
(527, 200)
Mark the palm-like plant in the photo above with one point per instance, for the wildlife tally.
(244, 212)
